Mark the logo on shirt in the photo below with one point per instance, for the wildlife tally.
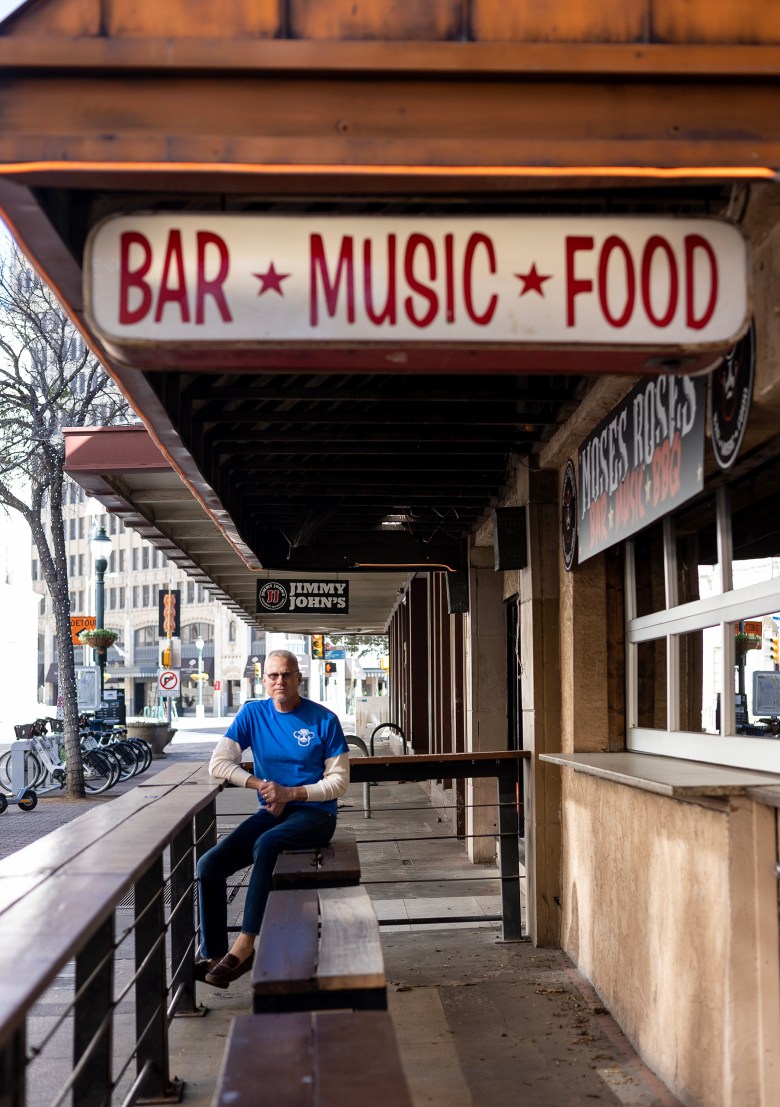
(304, 736)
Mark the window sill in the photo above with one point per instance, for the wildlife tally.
(670, 776)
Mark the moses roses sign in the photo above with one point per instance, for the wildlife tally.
(241, 279)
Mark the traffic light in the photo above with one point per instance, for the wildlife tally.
(774, 649)
(330, 668)
(258, 670)
(165, 656)
(318, 645)
(169, 625)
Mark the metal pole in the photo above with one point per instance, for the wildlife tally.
(100, 568)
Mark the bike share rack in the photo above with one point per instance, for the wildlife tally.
(24, 797)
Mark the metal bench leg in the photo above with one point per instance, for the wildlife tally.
(151, 1013)
(93, 1017)
(509, 854)
(12, 1070)
(183, 935)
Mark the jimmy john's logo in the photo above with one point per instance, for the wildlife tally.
(297, 596)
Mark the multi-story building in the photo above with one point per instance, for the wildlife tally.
(136, 574)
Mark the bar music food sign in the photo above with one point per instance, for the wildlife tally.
(242, 279)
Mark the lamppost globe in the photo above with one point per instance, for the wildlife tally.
(199, 643)
(100, 548)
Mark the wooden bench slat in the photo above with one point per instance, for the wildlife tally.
(319, 948)
(287, 944)
(312, 1059)
(358, 1061)
(184, 772)
(350, 948)
(336, 864)
(53, 850)
(268, 1059)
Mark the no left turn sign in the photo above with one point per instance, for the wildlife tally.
(168, 680)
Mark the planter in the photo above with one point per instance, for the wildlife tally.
(154, 731)
(98, 639)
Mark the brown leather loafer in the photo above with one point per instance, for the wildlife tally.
(228, 970)
(203, 968)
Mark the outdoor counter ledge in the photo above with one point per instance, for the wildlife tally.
(668, 776)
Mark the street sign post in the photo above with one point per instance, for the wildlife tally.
(168, 682)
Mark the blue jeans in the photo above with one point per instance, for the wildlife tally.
(258, 841)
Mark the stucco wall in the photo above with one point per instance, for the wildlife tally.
(662, 904)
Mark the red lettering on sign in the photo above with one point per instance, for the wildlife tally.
(449, 272)
(330, 288)
(428, 294)
(176, 293)
(388, 312)
(212, 287)
(130, 279)
(695, 242)
(474, 241)
(597, 521)
(575, 243)
(173, 282)
(667, 461)
(615, 243)
(655, 243)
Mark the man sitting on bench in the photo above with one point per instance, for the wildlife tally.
(301, 766)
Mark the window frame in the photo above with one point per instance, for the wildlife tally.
(721, 610)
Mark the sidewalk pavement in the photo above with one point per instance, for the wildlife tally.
(478, 1021)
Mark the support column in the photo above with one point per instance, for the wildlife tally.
(540, 685)
(418, 664)
(485, 641)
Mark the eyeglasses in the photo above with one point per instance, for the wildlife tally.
(278, 676)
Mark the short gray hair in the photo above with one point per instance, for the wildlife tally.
(289, 657)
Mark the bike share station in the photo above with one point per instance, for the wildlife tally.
(36, 765)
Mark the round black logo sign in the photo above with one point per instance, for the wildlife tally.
(569, 515)
(732, 391)
(272, 596)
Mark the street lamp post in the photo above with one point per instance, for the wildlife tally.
(199, 644)
(100, 547)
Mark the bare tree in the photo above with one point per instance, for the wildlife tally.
(49, 379)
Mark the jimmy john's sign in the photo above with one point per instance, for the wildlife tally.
(295, 597)
(221, 280)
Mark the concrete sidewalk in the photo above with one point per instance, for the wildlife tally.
(478, 1021)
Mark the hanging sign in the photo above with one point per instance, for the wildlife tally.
(732, 392)
(296, 596)
(606, 281)
(641, 462)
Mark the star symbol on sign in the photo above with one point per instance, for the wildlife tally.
(271, 280)
(532, 281)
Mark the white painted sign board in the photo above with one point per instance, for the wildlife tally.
(572, 281)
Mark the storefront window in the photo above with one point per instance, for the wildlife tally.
(651, 700)
(696, 551)
(719, 629)
(649, 559)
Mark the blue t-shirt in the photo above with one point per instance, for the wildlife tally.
(289, 747)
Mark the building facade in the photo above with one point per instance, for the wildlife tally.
(137, 573)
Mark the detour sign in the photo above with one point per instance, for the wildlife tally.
(79, 623)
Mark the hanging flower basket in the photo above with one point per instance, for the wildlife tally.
(744, 642)
(98, 638)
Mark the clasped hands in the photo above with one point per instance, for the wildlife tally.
(274, 796)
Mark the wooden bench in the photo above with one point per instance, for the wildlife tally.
(312, 1059)
(334, 865)
(319, 949)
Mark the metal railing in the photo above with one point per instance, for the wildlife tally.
(143, 965)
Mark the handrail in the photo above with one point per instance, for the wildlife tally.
(66, 889)
(387, 726)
